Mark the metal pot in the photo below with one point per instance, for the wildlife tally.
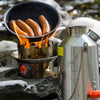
(78, 67)
(32, 10)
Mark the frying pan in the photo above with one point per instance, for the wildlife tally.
(32, 61)
(32, 10)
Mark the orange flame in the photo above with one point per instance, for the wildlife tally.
(37, 55)
(47, 38)
(38, 44)
(46, 41)
(54, 33)
(23, 40)
(23, 69)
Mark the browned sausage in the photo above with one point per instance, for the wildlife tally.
(11, 22)
(35, 26)
(18, 30)
(45, 24)
(26, 28)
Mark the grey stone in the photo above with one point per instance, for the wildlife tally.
(64, 18)
(4, 70)
(5, 58)
(10, 83)
(7, 45)
(31, 89)
(6, 48)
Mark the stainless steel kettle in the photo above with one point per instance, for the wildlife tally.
(78, 65)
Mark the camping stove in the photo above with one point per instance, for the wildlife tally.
(33, 56)
(35, 62)
(35, 70)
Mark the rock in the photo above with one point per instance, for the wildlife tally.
(11, 83)
(6, 48)
(7, 45)
(64, 18)
(68, 7)
(8, 70)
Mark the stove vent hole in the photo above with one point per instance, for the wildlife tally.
(29, 56)
(44, 55)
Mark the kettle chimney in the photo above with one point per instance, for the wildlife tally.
(76, 30)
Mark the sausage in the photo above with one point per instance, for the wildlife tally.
(19, 31)
(35, 26)
(11, 23)
(25, 27)
(45, 24)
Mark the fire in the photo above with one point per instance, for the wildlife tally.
(38, 44)
(47, 39)
(37, 56)
(23, 69)
(54, 33)
(23, 40)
